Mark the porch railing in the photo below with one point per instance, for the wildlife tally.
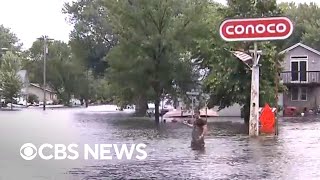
(300, 77)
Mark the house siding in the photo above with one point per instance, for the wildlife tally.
(312, 101)
(313, 62)
(39, 93)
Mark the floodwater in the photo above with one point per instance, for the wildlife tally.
(229, 153)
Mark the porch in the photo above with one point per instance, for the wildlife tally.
(300, 77)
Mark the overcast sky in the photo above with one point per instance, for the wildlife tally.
(30, 19)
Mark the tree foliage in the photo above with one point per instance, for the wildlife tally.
(306, 23)
(63, 73)
(10, 82)
(153, 37)
(92, 37)
(8, 40)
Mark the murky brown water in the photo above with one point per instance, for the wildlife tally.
(229, 153)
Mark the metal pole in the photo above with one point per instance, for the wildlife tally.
(277, 98)
(254, 103)
(162, 109)
(88, 90)
(192, 108)
(206, 111)
(44, 71)
(26, 99)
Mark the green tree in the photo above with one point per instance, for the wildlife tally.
(63, 73)
(32, 98)
(92, 36)
(8, 39)
(91, 39)
(153, 37)
(306, 23)
(10, 82)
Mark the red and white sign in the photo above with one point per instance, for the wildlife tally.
(255, 29)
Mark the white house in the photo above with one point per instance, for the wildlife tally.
(37, 90)
(33, 88)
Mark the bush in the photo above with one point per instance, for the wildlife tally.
(32, 98)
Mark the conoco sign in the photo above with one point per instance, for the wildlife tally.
(255, 29)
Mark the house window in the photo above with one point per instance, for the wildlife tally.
(295, 94)
(298, 70)
(299, 94)
(303, 93)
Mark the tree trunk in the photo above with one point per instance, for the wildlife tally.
(246, 111)
(11, 104)
(246, 114)
(142, 106)
(68, 103)
(81, 102)
(175, 103)
(86, 102)
(157, 113)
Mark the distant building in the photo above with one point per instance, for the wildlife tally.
(33, 88)
(37, 90)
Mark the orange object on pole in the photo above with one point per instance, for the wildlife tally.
(267, 120)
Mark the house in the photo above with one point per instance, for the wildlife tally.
(37, 90)
(33, 88)
(301, 75)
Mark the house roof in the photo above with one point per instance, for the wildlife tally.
(38, 86)
(301, 45)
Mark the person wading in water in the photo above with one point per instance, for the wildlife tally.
(199, 129)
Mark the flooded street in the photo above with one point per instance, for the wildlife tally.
(229, 153)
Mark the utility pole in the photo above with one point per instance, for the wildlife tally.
(44, 71)
(206, 97)
(45, 52)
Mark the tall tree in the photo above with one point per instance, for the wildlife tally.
(63, 73)
(306, 23)
(8, 39)
(152, 36)
(10, 82)
(92, 36)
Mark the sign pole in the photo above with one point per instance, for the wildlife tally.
(206, 111)
(254, 102)
(277, 98)
(192, 108)
(255, 29)
(193, 95)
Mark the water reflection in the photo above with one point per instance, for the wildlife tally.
(229, 153)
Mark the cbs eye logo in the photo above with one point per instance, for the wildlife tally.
(28, 151)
